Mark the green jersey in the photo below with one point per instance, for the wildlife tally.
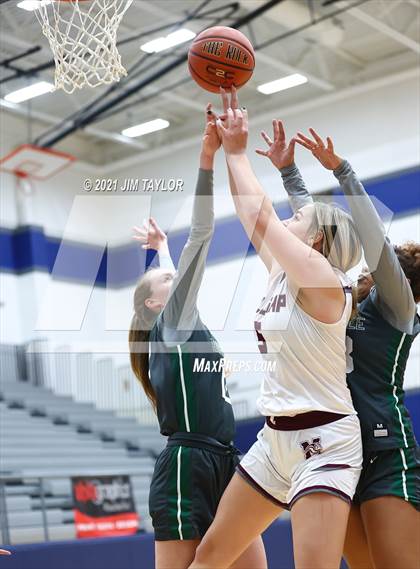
(185, 360)
(380, 337)
(190, 386)
(378, 354)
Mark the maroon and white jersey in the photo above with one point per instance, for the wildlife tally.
(308, 357)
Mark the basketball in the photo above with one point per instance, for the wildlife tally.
(221, 56)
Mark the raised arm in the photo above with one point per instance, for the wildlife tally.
(240, 206)
(282, 156)
(394, 297)
(180, 313)
(295, 187)
(306, 268)
(165, 261)
(255, 238)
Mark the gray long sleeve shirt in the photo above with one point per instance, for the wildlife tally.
(180, 315)
(393, 298)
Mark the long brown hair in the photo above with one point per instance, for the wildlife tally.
(138, 336)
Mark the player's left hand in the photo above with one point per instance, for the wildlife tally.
(211, 140)
(325, 154)
(233, 131)
(5, 552)
(150, 235)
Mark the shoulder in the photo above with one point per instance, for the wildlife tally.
(156, 329)
(409, 325)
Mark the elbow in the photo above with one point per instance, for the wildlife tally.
(203, 234)
(258, 214)
(258, 211)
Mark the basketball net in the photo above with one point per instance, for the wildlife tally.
(83, 38)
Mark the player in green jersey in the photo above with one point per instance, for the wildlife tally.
(192, 402)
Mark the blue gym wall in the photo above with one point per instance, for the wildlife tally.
(28, 248)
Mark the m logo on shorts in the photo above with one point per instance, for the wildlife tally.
(312, 448)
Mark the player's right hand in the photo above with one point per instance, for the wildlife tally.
(279, 152)
(233, 131)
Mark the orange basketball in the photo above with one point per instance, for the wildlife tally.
(221, 56)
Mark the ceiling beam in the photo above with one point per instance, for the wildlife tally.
(264, 58)
(16, 109)
(383, 28)
(10, 21)
(178, 99)
(22, 44)
(286, 68)
(322, 100)
(293, 14)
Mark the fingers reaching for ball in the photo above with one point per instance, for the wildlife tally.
(325, 154)
(211, 140)
(233, 131)
(209, 113)
(279, 151)
(234, 103)
(225, 100)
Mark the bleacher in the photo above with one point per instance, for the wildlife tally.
(45, 439)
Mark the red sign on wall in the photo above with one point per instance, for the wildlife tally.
(104, 506)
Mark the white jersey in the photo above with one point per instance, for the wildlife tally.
(308, 357)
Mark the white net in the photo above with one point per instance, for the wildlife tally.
(83, 39)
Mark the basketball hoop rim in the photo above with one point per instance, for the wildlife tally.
(19, 174)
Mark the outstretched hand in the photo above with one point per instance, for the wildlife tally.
(5, 552)
(211, 140)
(325, 154)
(233, 127)
(279, 152)
(150, 235)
